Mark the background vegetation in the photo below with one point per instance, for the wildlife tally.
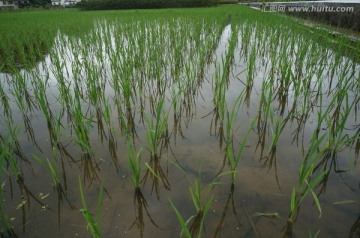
(143, 4)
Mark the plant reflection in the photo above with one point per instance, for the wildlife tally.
(230, 200)
(141, 205)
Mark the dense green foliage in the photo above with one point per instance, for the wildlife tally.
(35, 4)
(142, 4)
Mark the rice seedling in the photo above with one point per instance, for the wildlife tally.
(157, 129)
(4, 101)
(81, 127)
(251, 67)
(94, 226)
(135, 165)
(233, 156)
(41, 97)
(50, 167)
(202, 209)
(307, 182)
(276, 132)
(311, 235)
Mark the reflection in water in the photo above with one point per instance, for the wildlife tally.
(26, 195)
(288, 230)
(140, 205)
(90, 168)
(230, 200)
(7, 230)
(355, 229)
(61, 195)
(157, 175)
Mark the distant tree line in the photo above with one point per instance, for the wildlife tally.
(142, 4)
(247, 1)
(35, 3)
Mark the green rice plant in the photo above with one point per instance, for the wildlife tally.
(4, 98)
(276, 132)
(50, 167)
(229, 56)
(308, 179)
(93, 226)
(264, 113)
(176, 94)
(21, 92)
(157, 129)
(311, 235)
(135, 164)
(106, 112)
(81, 126)
(219, 87)
(251, 67)
(219, 93)
(94, 85)
(233, 156)
(62, 85)
(277, 127)
(202, 209)
(42, 99)
(341, 109)
(202, 201)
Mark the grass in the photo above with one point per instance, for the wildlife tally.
(100, 88)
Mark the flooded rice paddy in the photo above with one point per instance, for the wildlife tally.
(241, 126)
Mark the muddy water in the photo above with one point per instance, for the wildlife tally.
(195, 153)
